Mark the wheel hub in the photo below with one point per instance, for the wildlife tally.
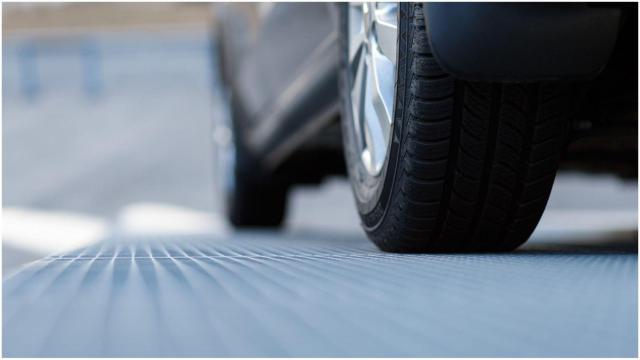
(373, 29)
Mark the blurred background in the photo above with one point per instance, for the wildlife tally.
(108, 111)
(107, 118)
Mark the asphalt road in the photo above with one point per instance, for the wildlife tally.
(116, 129)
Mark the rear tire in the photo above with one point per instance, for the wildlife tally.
(254, 197)
(251, 204)
(470, 165)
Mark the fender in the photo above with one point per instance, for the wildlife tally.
(524, 41)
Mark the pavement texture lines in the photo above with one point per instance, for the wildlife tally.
(304, 294)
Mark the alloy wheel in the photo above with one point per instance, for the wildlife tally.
(373, 30)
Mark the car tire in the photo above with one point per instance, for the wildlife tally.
(256, 204)
(469, 166)
(254, 197)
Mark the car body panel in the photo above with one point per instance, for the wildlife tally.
(522, 42)
(283, 75)
(280, 62)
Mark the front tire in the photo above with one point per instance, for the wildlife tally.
(469, 166)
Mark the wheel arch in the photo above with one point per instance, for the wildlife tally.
(522, 42)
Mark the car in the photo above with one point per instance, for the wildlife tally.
(450, 120)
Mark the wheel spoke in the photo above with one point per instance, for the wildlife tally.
(358, 91)
(384, 82)
(386, 30)
(376, 126)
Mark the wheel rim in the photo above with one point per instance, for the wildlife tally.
(373, 30)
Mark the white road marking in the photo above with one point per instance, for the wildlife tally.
(157, 218)
(47, 232)
(50, 231)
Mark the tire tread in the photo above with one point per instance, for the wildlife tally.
(478, 159)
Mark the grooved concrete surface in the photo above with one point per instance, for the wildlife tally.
(311, 294)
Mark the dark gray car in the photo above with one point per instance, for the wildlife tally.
(450, 119)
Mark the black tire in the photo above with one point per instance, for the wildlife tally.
(470, 166)
(255, 197)
(257, 204)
